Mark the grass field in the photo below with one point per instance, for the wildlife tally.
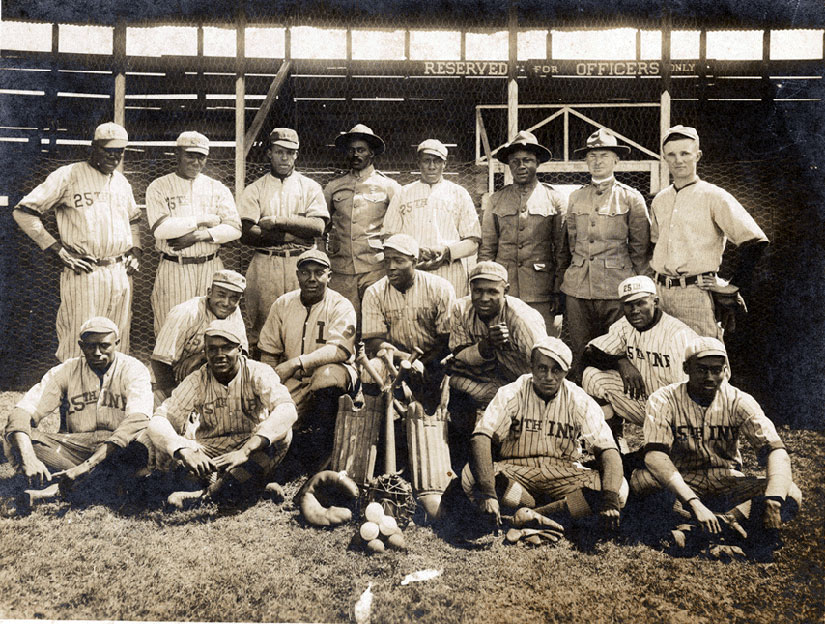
(264, 564)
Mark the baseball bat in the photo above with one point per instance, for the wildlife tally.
(361, 358)
(386, 356)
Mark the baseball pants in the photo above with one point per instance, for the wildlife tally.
(587, 319)
(551, 320)
(691, 305)
(302, 390)
(105, 291)
(62, 451)
(267, 278)
(176, 283)
(353, 287)
(607, 385)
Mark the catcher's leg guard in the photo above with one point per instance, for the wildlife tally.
(355, 441)
(429, 457)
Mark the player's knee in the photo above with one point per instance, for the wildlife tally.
(589, 381)
(331, 376)
(642, 482)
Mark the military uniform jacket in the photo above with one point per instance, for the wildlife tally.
(524, 232)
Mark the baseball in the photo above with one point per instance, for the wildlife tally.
(388, 525)
(374, 512)
(396, 540)
(376, 546)
(369, 531)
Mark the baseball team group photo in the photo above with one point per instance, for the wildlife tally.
(430, 332)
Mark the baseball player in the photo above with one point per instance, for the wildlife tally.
(99, 246)
(191, 216)
(691, 434)
(309, 340)
(231, 418)
(440, 215)
(105, 401)
(539, 424)
(357, 203)
(641, 352)
(522, 229)
(608, 231)
(692, 222)
(282, 213)
(491, 336)
(179, 347)
(405, 309)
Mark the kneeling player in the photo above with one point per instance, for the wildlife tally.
(229, 423)
(691, 435)
(539, 423)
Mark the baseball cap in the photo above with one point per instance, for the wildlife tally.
(365, 133)
(705, 346)
(487, 269)
(636, 287)
(603, 139)
(680, 132)
(403, 243)
(110, 134)
(433, 147)
(556, 349)
(285, 137)
(231, 280)
(192, 141)
(223, 328)
(99, 325)
(313, 255)
(527, 141)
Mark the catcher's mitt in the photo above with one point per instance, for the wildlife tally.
(318, 496)
(727, 301)
(395, 495)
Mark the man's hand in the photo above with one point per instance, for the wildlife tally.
(489, 508)
(232, 459)
(132, 263)
(499, 336)
(435, 259)
(634, 385)
(74, 262)
(609, 519)
(208, 221)
(187, 240)
(196, 461)
(270, 223)
(705, 517)
(35, 471)
(772, 516)
(287, 370)
(187, 365)
(69, 478)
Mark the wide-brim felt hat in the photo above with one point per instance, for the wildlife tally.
(526, 141)
(364, 133)
(602, 139)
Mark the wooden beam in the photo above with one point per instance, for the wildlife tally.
(240, 111)
(263, 112)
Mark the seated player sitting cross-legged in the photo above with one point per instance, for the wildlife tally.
(691, 436)
(539, 423)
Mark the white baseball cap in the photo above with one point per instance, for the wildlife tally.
(110, 134)
(636, 287)
(556, 349)
(434, 147)
(99, 325)
(704, 346)
(225, 329)
(403, 243)
(192, 141)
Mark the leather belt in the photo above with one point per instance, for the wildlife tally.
(107, 261)
(189, 259)
(282, 253)
(683, 281)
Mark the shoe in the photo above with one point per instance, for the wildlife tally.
(186, 499)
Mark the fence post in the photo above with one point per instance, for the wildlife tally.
(240, 96)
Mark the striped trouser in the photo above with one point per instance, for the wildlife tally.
(105, 291)
(62, 451)
(176, 283)
(267, 278)
(542, 477)
(691, 305)
(607, 385)
(479, 388)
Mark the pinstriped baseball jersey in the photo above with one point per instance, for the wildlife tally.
(436, 215)
(182, 333)
(410, 319)
(93, 209)
(292, 329)
(527, 426)
(658, 353)
(243, 406)
(297, 195)
(176, 197)
(526, 327)
(88, 402)
(700, 438)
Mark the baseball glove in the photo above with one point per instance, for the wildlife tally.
(727, 301)
(317, 497)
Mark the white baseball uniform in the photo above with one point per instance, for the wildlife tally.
(658, 353)
(540, 442)
(173, 206)
(96, 214)
(182, 332)
(293, 330)
(272, 271)
(436, 215)
(93, 409)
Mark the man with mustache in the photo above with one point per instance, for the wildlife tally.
(357, 203)
(99, 246)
